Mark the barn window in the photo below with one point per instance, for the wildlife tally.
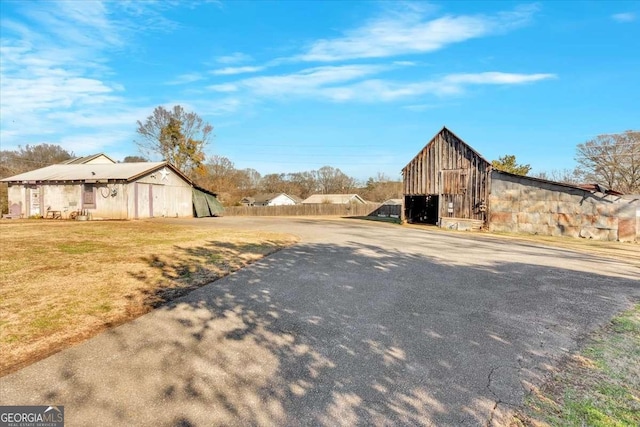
(89, 196)
(454, 181)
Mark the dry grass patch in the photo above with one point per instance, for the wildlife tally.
(63, 282)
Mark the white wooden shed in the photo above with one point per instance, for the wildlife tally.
(102, 191)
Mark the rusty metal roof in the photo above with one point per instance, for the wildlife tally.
(94, 172)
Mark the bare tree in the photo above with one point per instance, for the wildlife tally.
(134, 159)
(381, 188)
(333, 180)
(612, 160)
(13, 162)
(566, 176)
(274, 183)
(304, 184)
(177, 136)
(251, 179)
(221, 176)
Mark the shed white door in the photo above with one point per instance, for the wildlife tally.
(144, 200)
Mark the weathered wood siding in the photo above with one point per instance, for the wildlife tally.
(447, 167)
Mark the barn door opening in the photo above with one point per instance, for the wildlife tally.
(421, 209)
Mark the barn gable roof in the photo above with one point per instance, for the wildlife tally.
(445, 131)
(93, 172)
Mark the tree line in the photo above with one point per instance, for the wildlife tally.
(181, 138)
(232, 184)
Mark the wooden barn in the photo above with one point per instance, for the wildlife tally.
(447, 183)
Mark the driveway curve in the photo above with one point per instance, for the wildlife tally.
(360, 323)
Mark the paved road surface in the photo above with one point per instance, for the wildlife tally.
(361, 323)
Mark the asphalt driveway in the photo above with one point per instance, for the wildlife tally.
(361, 323)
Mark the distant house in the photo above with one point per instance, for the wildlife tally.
(247, 201)
(108, 190)
(334, 199)
(270, 199)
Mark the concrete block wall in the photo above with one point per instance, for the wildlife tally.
(525, 205)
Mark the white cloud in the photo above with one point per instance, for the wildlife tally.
(408, 32)
(404, 63)
(55, 80)
(420, 107)
(307, 81)
(185, 79)
(494, 77)
(224, 87)
(234, 58)
(453, 84)
(207, 107)
(91, 142)
(237, 70)
(345, 83)
(624, 17)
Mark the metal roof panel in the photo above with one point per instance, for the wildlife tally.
(82, 172)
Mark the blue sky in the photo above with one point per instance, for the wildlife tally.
(292, 86)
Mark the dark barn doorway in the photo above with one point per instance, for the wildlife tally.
(421, 209)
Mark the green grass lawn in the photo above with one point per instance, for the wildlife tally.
(597, 387)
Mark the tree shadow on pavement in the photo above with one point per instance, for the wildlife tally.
(328, 334)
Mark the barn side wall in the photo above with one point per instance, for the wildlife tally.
(522, 205)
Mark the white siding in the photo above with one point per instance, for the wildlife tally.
(281, 200)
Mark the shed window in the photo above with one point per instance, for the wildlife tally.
(89, 196)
